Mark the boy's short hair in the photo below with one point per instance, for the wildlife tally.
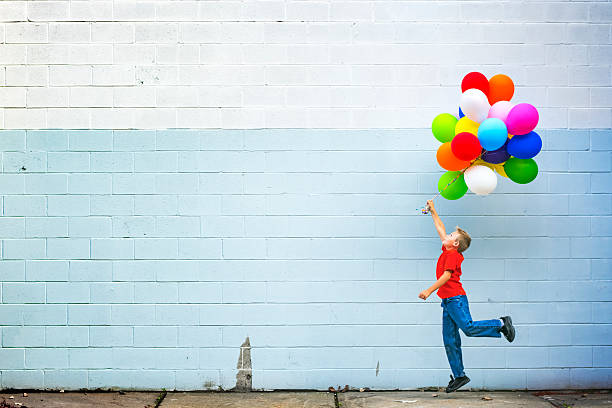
(464, 240)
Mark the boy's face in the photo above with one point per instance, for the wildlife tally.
(452, 240)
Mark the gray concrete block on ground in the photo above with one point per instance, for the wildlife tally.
(80, 399)
(249, 400)
(578, 399)
(418, 399)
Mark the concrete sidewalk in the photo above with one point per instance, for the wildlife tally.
(382, 399)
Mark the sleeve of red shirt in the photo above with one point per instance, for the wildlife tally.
(451, 262)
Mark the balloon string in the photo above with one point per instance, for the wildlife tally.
(425, 210)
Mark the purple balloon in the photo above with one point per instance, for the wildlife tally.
(497, 156)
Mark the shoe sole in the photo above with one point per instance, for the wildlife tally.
(512, 334)
(453, 390)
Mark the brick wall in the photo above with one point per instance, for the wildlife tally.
(135, 256)
(299, 64)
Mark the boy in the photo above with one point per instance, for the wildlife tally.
(456, 312)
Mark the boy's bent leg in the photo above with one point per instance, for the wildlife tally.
(452, 344)
(459, 311)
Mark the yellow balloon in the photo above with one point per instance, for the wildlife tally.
(500, 169)
(466, 124)
(497, 167)
(510, 136)
(481, 162)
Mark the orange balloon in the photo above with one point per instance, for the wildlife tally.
(501, 88)
(447, 160)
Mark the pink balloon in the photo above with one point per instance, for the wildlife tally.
(500, 110)
(522, 119)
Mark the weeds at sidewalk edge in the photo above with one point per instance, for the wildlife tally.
(160, 398)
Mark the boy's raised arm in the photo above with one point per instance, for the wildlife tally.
(437, 221)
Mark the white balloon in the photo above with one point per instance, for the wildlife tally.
(480, 180)
(474, 104)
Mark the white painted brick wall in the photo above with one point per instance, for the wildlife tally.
(339, 64)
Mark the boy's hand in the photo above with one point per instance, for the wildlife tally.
(424, 294)
(430, 205)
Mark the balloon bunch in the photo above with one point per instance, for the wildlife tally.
(491, 135)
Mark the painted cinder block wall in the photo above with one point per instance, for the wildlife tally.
(181, 175)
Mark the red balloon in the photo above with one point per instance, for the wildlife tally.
(465, 146)
(475, 80)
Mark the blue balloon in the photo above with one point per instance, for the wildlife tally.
(492, 134)
(525, 146)
(461, 113)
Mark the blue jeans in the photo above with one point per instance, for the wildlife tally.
(455, 316)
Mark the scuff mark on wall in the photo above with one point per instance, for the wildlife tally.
(244, 377)
(377, 367)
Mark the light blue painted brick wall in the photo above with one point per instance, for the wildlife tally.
(143, 259)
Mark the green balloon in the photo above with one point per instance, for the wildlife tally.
(443, 127)
(521, 171)
(456, 190)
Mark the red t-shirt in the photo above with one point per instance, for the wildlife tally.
(450, 260)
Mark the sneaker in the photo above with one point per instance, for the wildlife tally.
(457, 383)
(507, 329)
(451, 381)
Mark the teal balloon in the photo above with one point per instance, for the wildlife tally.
(521, 171)
(456, 190)
(525, 146)
(492, 134)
